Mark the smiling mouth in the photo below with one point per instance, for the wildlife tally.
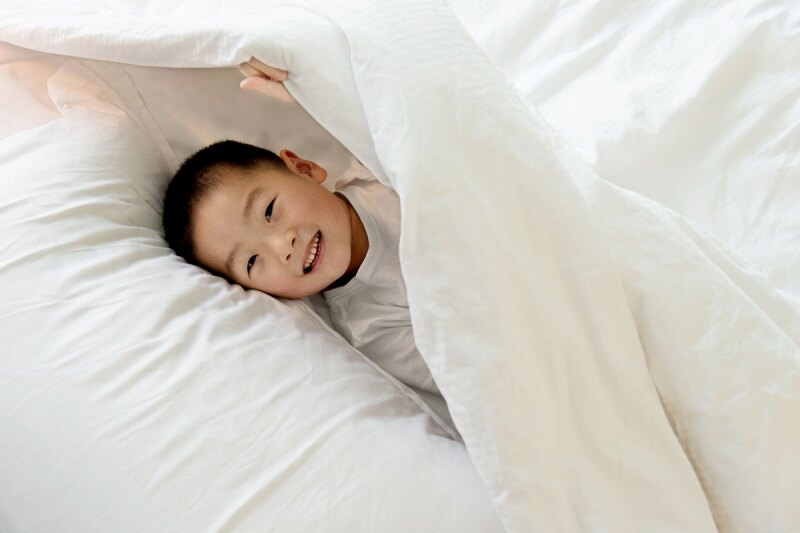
(313, 253)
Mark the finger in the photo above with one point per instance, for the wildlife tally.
(267, 87)
(272, 72)
(248, 70)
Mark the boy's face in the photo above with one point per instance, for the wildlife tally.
(276, 231)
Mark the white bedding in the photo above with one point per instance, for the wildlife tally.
(709, 127)
(609, 365)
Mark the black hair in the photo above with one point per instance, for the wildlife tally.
(196, 178)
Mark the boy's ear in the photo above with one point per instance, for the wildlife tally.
(303, 167)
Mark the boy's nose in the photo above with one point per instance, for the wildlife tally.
(283, 244)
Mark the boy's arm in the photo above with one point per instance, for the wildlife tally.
(264, 79)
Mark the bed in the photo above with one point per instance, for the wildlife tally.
(599, 239)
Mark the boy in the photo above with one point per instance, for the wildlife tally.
(265, 221)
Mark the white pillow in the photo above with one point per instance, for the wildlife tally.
(140, 393)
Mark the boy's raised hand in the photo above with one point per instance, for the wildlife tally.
(264, 79)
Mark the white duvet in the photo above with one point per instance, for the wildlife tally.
(608, 364)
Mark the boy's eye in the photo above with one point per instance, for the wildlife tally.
(250, 263)
(268, 212)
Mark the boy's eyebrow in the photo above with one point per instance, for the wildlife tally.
(229, 262)
(248, 205)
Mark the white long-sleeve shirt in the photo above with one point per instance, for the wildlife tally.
(371, 310)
